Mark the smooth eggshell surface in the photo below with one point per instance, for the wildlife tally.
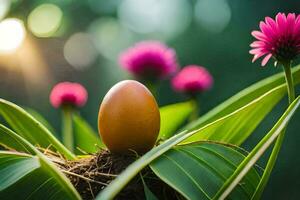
(129, 118)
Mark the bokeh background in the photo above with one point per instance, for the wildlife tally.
(43, 42)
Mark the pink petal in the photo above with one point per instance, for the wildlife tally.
(267, 30)
(290, 23)
(266, 59)
(297, 26)
(257, 56)
(256, 44)
(292, 17)
(297, 19)
(281, 22)
(270, 22)
(259, 35)
(255, 51)
(258, 51)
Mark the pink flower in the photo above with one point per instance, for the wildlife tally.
(67, 93)
(149, 60)
(192, 79)
(279, 38)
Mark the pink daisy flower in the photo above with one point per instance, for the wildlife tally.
(150, 60)
(279, 38)
(192, 79)
(67, 93)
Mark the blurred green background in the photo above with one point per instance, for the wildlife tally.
(43, 42)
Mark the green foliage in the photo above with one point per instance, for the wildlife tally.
(41, 119)
(85, 138)
(197, 171)
(34, 177)
(14, 166)
(27, 177)
(8, 141)
(148, 194)
(237, 126)
(172, 117)
(258, 151)
(243, 98)
(202, 170)
(30, 129)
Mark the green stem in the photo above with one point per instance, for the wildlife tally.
(152, 86)
(195, 113)
(67, 127)
(273, 157)
(290, 82)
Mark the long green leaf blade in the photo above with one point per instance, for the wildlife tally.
(30, 129)
(257, 152)
(236, 127)
(41, 119)
(242, 98)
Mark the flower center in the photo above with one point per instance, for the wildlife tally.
(285, 49)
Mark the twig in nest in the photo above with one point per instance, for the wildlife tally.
(92, 193)
(104, 174)
(83, 177)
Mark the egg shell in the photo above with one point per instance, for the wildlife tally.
(129, 118)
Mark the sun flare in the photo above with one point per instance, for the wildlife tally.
(12, 34)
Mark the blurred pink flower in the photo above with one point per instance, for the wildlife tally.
(67, 93)
(149, 60)
(192, 79)
(279, 38)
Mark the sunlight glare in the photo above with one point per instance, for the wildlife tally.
(12, 34)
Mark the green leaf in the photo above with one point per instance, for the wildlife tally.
(85, 138)
(26, 177)
(197, 171)
(243, 98)
(11, 143)
(41, 119)
(257, 152)
(172, 117)
(32, 177)
(148, 194)
(14, 166)
(236, 127)
(31, 129)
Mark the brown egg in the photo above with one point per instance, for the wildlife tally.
(129, 118)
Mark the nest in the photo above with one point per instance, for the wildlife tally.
(91, 174)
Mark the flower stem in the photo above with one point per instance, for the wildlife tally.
(290, 82)
(152, 86)
(279, 141)
(195, 113)
(67, 127)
